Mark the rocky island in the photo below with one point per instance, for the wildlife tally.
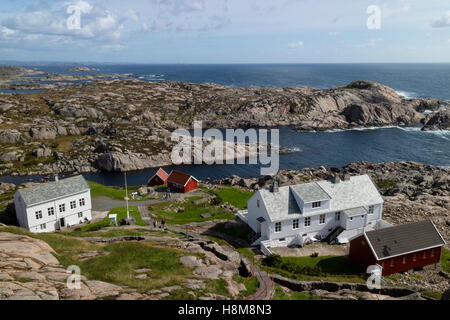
(126, 124)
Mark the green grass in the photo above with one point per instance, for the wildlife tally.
(121, 213)
(292, 295)
(330, 268)
(445, 260)
(118, 267)
(432, 294)
(192, 212)
(114, 193)
(386, 184)
(234, 196)
(251, 284)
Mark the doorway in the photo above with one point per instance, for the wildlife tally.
(62, 223)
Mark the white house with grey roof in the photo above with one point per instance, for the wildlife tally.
(334, 211)
(54, 205)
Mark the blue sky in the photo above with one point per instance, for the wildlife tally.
(225, 31)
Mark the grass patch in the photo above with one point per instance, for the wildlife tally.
(331, 268)
(234, 196)
(445, 260)
(114, 193)
(251, 284)
(432, 294)
(191, 212)
(386, 184)
(121, 214)
(292, 295)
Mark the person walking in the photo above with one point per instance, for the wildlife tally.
(163, 223)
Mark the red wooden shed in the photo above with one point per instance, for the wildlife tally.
(398, 248)
(181, 182)
(159, 179)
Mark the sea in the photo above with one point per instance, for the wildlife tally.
(312, 149)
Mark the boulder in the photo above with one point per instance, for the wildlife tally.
(11, 136)
(438, 121)
(42, 152)
(43, 133)
(9, 156)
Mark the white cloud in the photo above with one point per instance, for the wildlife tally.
(442, 22)
(295, 44)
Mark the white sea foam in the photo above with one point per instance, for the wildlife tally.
(406, 94)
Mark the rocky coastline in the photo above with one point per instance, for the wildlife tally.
(125, 124)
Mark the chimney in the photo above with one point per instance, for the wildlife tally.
(336, 179)
(346, 177)
(56, 178)
(275, 185)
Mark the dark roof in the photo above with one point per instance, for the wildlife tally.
(179, 177)
(405, 238)
(261, 219)
(162, 174)
(53, 190)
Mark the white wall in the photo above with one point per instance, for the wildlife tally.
(254, 213)
(52, 222)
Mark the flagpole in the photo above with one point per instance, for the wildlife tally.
(126, 196)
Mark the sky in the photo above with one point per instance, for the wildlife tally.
(225, 31)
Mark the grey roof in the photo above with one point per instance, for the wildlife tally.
(360, 211)
(280, 204)
(310, 192)
(404, 238)
(53, 190)
(359, 191)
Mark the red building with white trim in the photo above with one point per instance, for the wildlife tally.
(398, 248)
(181, 182)
(159, 179)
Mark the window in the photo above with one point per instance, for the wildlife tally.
(351, 218)
(424, 254)
(316, 204)
(371, 209)
(382, 264)
(337, 216)
(82, 202)
(322, 219)
(404, 260)
(62, 208)
(308, 222)
(80, 214)
(414, 257)
(73, 204)
(258, 203)
(51, 211)
(43, 226)
(432, 252)
(278, 227)
(282, 239)
(38, 215)
(363, 243)
(392, 263)
(295, 224)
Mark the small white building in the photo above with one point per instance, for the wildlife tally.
(54, 205)
(325, 210)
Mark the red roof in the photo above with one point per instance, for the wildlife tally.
(162, 174)
(179, 178)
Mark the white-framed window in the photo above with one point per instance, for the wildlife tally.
(322, 219)
(307, 221)
(432, 253)
(337, 216)
(258, 203)
(391, 263)
(295, 224)
(424, 254)
(80, 214)
(82, 202)
(317, 204)
(414, 257)
(404, 260)
(38, 214)
(43, 226)
(51, 211)
(371, 209)
(73, 204)
(363, 243)
(62, 207)
(278, 227)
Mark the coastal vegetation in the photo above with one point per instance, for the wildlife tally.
(121, 214)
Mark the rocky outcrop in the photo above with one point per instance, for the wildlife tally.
(438, 121)
(11, 137)
(119, 162)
